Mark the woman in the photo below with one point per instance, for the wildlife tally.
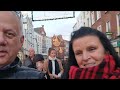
(91, 56)
(52, 65)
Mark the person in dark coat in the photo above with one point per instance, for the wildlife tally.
(28, 62)
(11, 41)
(38, 62)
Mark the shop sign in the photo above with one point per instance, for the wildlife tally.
(118, 43)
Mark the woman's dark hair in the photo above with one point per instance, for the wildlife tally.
(38, 57)
(87, 31)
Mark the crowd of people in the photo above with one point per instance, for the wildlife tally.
(52, 67)
(91, 55)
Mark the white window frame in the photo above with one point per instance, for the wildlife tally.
(99, 28)
(108, 27)
(93, 18)
(88, 20)
(83, 14)
(98, 14)
(118, 23)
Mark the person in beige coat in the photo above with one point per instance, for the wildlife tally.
(52, 65)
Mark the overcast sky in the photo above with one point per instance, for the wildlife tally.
(57, 27)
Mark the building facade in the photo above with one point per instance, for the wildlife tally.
(107, 22)
(45, 41)
(28, 33)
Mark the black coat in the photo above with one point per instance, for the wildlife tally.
(14, 71)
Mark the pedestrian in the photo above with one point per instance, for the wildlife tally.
(39, 62)
(11, 41)
(64, 62)
(28, 62)
(52, 65)
(91, 56)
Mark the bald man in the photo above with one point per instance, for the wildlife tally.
(28, 62)
(11, 41)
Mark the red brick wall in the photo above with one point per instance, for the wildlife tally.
(108, 16)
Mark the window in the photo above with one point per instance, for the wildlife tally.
(25, 26)
(83, 14)
(84, 23)
(93, 18)
(99, 28)
(98, 15)
(108, 29)
(18, 13)
(118, 24)
(88, 21)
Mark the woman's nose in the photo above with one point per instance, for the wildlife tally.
(86, 56)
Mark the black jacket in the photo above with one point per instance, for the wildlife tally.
(14, 71)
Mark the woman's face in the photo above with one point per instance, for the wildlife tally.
(53, 53)
(88, 51)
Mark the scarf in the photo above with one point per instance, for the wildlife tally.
(105, 70)
(53, 66)
(50, 58)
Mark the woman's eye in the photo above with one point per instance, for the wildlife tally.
(78, 53)
(91, 49)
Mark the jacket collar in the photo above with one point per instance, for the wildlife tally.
(12, 65)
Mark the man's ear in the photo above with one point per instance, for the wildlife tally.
(22, 39)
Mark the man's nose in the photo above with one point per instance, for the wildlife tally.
(2, 38)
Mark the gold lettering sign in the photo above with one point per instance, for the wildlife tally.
(56, 41)
(61, 51)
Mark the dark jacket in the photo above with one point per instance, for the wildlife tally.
(28, 62)
(14, 71)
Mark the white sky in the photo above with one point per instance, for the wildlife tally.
(62, 27)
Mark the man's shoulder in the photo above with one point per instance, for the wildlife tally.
(24, 68)
(27, 59)
(30, 73)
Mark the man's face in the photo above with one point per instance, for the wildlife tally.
(31, 52)
(11, 39)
